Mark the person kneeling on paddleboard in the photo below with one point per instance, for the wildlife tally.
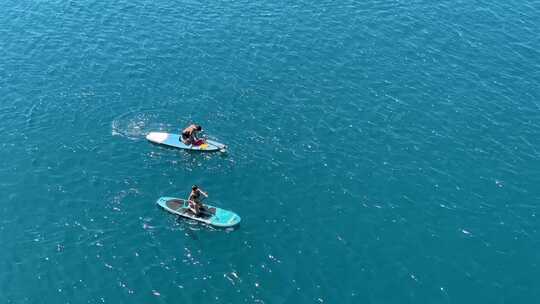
(189, 135)
(195, 199)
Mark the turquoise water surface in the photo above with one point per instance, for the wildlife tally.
(379, 151)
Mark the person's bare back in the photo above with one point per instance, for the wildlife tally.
(189, 134)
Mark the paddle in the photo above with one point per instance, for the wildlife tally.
(221, 147)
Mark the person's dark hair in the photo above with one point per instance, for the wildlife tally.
(194, 187)
(198, 127)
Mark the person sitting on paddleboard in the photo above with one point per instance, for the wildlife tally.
(189, 135)
(195, 199)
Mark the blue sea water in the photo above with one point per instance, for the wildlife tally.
(379, 151)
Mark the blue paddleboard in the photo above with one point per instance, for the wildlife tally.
(173, 140)
(211, 215)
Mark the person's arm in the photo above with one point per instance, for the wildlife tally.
(203, 193)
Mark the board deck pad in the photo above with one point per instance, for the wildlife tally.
(173, 140)
(174, 204)
(211, 215)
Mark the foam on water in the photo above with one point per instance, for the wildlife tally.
(137, 124)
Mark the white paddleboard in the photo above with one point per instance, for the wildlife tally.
(173, 140)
